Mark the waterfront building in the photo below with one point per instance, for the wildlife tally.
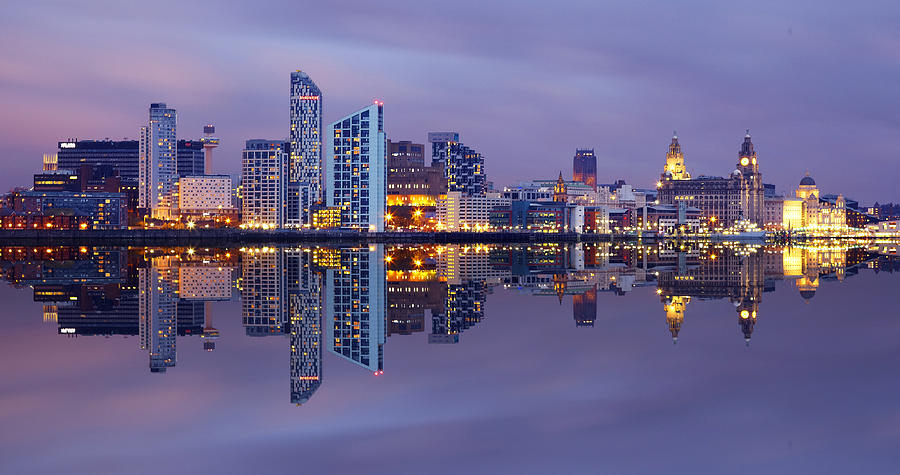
(158, 162)
(820, 214)
(190, 158)
(356, 168)
(723, 200)
(263, 292)
(304, 179)
(205, 195)
(463, 166)
(675, 169)
(204, 282)
(158, 313)
(123, 155)
(584, 167)
(68, 210)
(355, 305)
(458, 211)
(264, 183)
(669, 219)
(412, 188)
(303, 284)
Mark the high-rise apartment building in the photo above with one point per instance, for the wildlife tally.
(356, 168)
(355, 306)
(584, 167)
(304, 184)
(304, 305)
(264, 183)
(463, 166)
(158, 162)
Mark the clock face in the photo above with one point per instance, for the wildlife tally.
(745, 161)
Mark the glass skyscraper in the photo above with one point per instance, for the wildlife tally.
(304, 187)
(356, 170)
(158, 162)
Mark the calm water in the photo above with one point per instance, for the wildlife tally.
(548, 359)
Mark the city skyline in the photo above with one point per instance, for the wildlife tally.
(807, 110)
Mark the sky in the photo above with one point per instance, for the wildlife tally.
(525, 83)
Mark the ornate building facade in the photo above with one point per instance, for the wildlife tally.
(723, 201)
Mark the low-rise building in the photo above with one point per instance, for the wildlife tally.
(458, 212)
(205, 195)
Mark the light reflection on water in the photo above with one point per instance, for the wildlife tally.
(337, 313)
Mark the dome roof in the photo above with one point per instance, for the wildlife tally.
(807, 181)
(807, 294)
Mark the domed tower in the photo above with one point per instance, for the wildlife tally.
(752, 190)
(675, 169)
(807, 188)
(560, 191)
(747, 318)
(675, 307)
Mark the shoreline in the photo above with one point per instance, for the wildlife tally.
(237, 236)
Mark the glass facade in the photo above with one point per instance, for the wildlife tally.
(356, 168)
(304, 185)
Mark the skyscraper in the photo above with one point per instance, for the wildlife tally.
(463, 166)
(158, 162)
(304, 185)
(355, 306)
(356, 168)
(584, 167)
(264, 182)
(304, 292)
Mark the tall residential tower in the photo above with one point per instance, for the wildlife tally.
(356, 168)
(304, 185)
(158, 162)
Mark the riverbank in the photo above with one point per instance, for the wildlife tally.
(224, 236)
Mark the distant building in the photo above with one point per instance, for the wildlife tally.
(191, 158)
(584, 167)
(463, 166)
(205, 195)
(123, 155)
(460, 212)
(304, 178)
(722, 200)
(819, 213)
(405, 153)
(210, 142)
(264, 183)
(50, 162)
(95, 210)
(158, 162)
(356, 168)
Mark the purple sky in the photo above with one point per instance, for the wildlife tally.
(816, 82)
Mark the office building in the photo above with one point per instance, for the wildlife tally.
(304, 181)
(264, 183)
(50, 162)
(68, 210)
(191, 158)
(123, 155)
(356, 168)
(723, 201)
(158, 162)
(463, 166)
(584, 167)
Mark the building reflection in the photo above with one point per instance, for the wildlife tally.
(347, 301)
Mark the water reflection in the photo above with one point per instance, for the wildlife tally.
(347, 301)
